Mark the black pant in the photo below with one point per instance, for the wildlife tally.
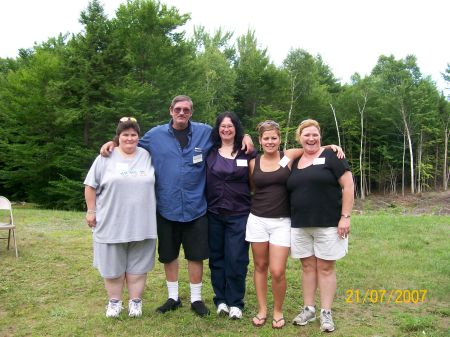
(228, 259)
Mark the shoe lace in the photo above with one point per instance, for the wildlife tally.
(235, 312)
(326, 317)
(305, 314)
(115, 306)
(134, 306)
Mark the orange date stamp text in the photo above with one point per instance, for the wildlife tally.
(396, 296)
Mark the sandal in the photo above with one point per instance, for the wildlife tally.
(276, 321)
(261, 321)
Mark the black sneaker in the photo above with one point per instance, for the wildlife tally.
(170, 304)
(200, 308)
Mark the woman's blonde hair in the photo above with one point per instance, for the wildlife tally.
(305, 124)
(268, 125)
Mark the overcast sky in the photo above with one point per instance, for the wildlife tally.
(350, 35)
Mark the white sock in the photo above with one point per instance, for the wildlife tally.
(172, 289)
(196, 292)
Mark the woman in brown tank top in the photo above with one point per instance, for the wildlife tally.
(268, 226)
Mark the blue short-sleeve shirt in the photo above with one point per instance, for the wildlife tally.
(180, 172)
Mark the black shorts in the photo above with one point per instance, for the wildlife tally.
(193, 235)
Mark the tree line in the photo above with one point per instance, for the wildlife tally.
(61, 100)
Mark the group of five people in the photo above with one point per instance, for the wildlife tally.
(207, 189)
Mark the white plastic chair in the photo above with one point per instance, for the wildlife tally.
(5, 204)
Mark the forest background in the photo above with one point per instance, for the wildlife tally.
(61, 100)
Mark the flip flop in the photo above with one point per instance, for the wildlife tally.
(278, 321)
(261, 320)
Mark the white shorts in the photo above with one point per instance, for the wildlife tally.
(276, 231)
(114, 259)
(321, 242)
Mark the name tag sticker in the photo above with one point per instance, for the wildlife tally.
(121, 167)
(197, 158)
(319, 161)
(284, 161)
(241, 162)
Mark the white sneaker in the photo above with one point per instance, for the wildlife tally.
(235, 313)
(113, 309)
(326, 321)
(305, 316)
(223, 309)
(135, 308)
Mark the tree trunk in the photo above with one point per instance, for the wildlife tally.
(86, 133)
(380, 174)
(445, 172)
(293, 100)
(369, 175)
(392, 180)
(436, 168)
(419, 164)
(361, 147)
(337, 127)
(403, 164)
(209, 104)
(408, 135)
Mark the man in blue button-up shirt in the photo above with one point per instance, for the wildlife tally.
(178, 152)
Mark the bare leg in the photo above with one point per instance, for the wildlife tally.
(261, 261)
(114, 287)
(136, 285)
(277, 266)
(326, 274)
(309, 280)
(171, 270)
(195, 269)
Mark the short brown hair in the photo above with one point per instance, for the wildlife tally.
(182, 98)
(128, 124)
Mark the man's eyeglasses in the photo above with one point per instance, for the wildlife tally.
(185, 110)
(126, 119)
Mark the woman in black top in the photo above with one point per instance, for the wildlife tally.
(321, 197)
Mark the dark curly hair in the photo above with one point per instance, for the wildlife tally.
(215, 137)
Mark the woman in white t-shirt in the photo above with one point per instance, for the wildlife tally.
(121, 210)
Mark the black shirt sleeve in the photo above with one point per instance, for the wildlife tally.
(336, 165)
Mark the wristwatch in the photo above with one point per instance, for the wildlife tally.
(345, 215)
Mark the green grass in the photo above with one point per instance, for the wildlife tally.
(53, 290)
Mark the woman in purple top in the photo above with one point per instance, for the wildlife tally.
(228, 196)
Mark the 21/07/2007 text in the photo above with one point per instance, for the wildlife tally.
(385, 296)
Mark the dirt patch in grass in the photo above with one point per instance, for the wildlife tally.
(433, 203)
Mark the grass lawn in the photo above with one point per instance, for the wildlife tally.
(53, 290)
